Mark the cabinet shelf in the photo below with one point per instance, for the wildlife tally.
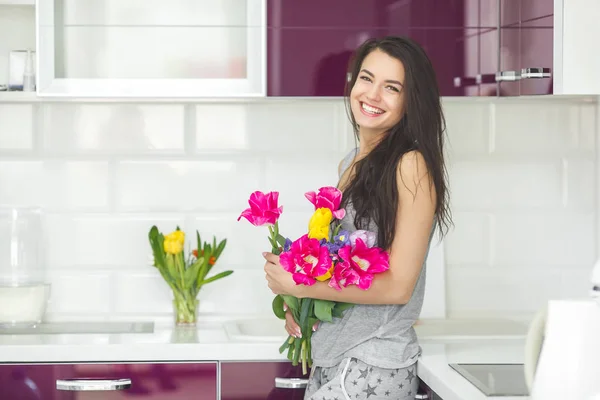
(17, 2)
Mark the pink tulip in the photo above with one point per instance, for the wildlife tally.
(306, 260)
(328, 197)
(365, 261)
(343, 275)
(263, 209)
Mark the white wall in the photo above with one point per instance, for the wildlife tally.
(522, 176)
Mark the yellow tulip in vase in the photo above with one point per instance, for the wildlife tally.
(185, 275)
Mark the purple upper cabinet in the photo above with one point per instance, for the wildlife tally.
(256, 381)
(174, 381)
(310, 42)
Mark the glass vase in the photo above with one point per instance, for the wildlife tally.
(185, 310)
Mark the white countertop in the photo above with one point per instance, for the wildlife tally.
(502, 342)
(433, 368)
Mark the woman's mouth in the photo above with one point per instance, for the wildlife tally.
(370, 111)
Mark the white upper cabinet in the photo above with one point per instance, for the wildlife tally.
(151, 48)
(576, 55)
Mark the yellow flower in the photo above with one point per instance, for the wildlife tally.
(326, 275)
(318, 226)
(173, 246)
(177, 236)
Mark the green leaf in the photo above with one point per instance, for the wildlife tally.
(273, 243)
(291, 301)
(220, 248)
(191, 273)
(198, 242)
(277, 305)
(217, 276)
(280, 240)
(339, 308)
(323, 310)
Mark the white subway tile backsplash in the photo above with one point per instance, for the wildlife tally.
(103, 240)
(510, 291)
(294, 175)
(186, 185)
(55, 184)
(523, 186)
(580, 182)
(243, 292)
(245, 242)
(544, 239)
(554, 128)
(283, 128)
(141, 292)
(127, 127)
(486, 185)
(73, 292)
(16, 127)
(469, 242)
(467, 127)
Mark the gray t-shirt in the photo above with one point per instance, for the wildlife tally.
(379, 335)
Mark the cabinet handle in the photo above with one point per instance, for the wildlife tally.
(485, 78)
(504, 76)
(291, 383)
(81, 385)
(536, 73)
(463, 81)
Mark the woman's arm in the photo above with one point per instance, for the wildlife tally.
(414, 220)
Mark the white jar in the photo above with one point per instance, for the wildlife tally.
(24, 292)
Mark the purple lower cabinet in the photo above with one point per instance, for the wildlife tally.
(256, 381)
(173, 381)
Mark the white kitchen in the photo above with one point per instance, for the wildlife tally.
(120, 116)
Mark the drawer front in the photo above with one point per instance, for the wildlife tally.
(256, 381)
(91, 381)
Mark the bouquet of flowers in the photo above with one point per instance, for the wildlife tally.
(185, 275)
(326, 253)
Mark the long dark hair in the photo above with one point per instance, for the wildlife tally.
(373, 189)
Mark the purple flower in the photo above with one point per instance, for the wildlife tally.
(287, 245)
(367, 237)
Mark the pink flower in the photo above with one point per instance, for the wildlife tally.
(306, 260)
(343, 276)
(365, 261)
(263, 209)
(328, 197)
(366, 236)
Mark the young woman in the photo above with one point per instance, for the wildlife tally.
(393, 184)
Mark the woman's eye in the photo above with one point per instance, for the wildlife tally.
(365, 78)
(394, 88)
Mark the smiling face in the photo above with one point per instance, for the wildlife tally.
(377, 97)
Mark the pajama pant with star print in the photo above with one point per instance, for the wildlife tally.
(352, 379)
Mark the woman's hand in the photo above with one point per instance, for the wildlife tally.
(291, 326)
(280, 281)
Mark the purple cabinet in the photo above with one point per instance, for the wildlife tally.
(309, 42)
(256, 381)
(526, 47)
(157, 381)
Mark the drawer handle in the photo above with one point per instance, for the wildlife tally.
(504, 76)
(536, 73)
(82, 385)
(291, 383)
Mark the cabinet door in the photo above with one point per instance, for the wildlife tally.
(310, 42)
(158, 381)
(537, 50)
(153, 48)
(526, 47)
(256, 381)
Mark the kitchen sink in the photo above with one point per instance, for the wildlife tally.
(271, 329)
(105, 327)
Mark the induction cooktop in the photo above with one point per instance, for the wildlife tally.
(495, 379)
